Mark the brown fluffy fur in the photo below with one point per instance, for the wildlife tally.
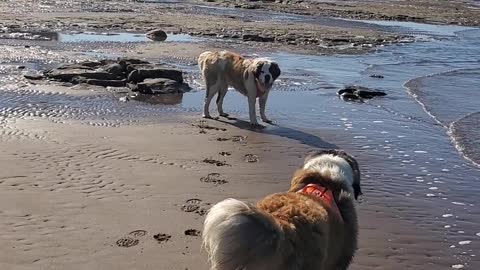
(285, 231)
(319, 239)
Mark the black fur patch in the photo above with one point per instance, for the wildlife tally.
(274, 70)
(258, 70)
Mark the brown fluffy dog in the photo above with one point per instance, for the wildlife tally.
(312, 226)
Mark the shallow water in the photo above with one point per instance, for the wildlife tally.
(430, 113)
(118, 37)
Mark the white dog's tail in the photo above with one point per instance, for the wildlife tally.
(238, 236)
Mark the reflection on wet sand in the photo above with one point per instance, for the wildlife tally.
(164, 99)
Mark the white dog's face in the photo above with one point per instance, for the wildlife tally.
(340, 163)
(267, 72)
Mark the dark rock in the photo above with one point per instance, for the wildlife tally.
(358, 93)
(159, 86)
(104, 83)
(149, 72)
(157, 35)
(370, 94)
(34, 76)
(132, 61)
(338, 40)
(21, 67)
(116, 69)
(83, 65)
(131, 67)
(377, 76)
(258, 38)
(106, 62)
(140, 76)
(268, 39)
(66, 75)
(209, 34)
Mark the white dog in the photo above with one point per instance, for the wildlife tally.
(251, 77)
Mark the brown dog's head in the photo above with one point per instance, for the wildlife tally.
(333, 169)
(264, 71)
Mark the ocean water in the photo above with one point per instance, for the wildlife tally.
(441, 75)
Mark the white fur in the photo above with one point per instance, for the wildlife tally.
(236, 236)
(264, 72)
(333, 167)
(218, 214)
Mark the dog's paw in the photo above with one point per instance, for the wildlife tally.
(268, 121)
(210, 117)
(257, 126)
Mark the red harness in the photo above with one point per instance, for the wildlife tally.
(324, 194)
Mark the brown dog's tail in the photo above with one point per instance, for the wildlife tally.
(238, 236)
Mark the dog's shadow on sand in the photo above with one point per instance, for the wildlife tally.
(281, 131)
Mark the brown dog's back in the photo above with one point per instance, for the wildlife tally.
(284, 231)
(312, 226)
(309, 225)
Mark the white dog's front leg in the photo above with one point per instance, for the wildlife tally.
(263, 102)
(252, 110)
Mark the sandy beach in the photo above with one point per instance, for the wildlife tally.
(72, 199)
(93, 181)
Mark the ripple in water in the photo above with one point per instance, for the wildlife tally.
(466, 135)
(451, 98)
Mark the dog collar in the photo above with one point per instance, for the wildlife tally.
(323, 194)
(260, 91)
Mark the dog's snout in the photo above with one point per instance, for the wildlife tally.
(267, 78)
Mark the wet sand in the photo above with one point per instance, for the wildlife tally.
(426, 11)
(226, 24)
(77, 200)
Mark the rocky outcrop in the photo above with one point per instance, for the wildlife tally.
(141, 72)
(258, 38)
(74, 75)
(140, 76)
(157, 35)
(159, 86)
